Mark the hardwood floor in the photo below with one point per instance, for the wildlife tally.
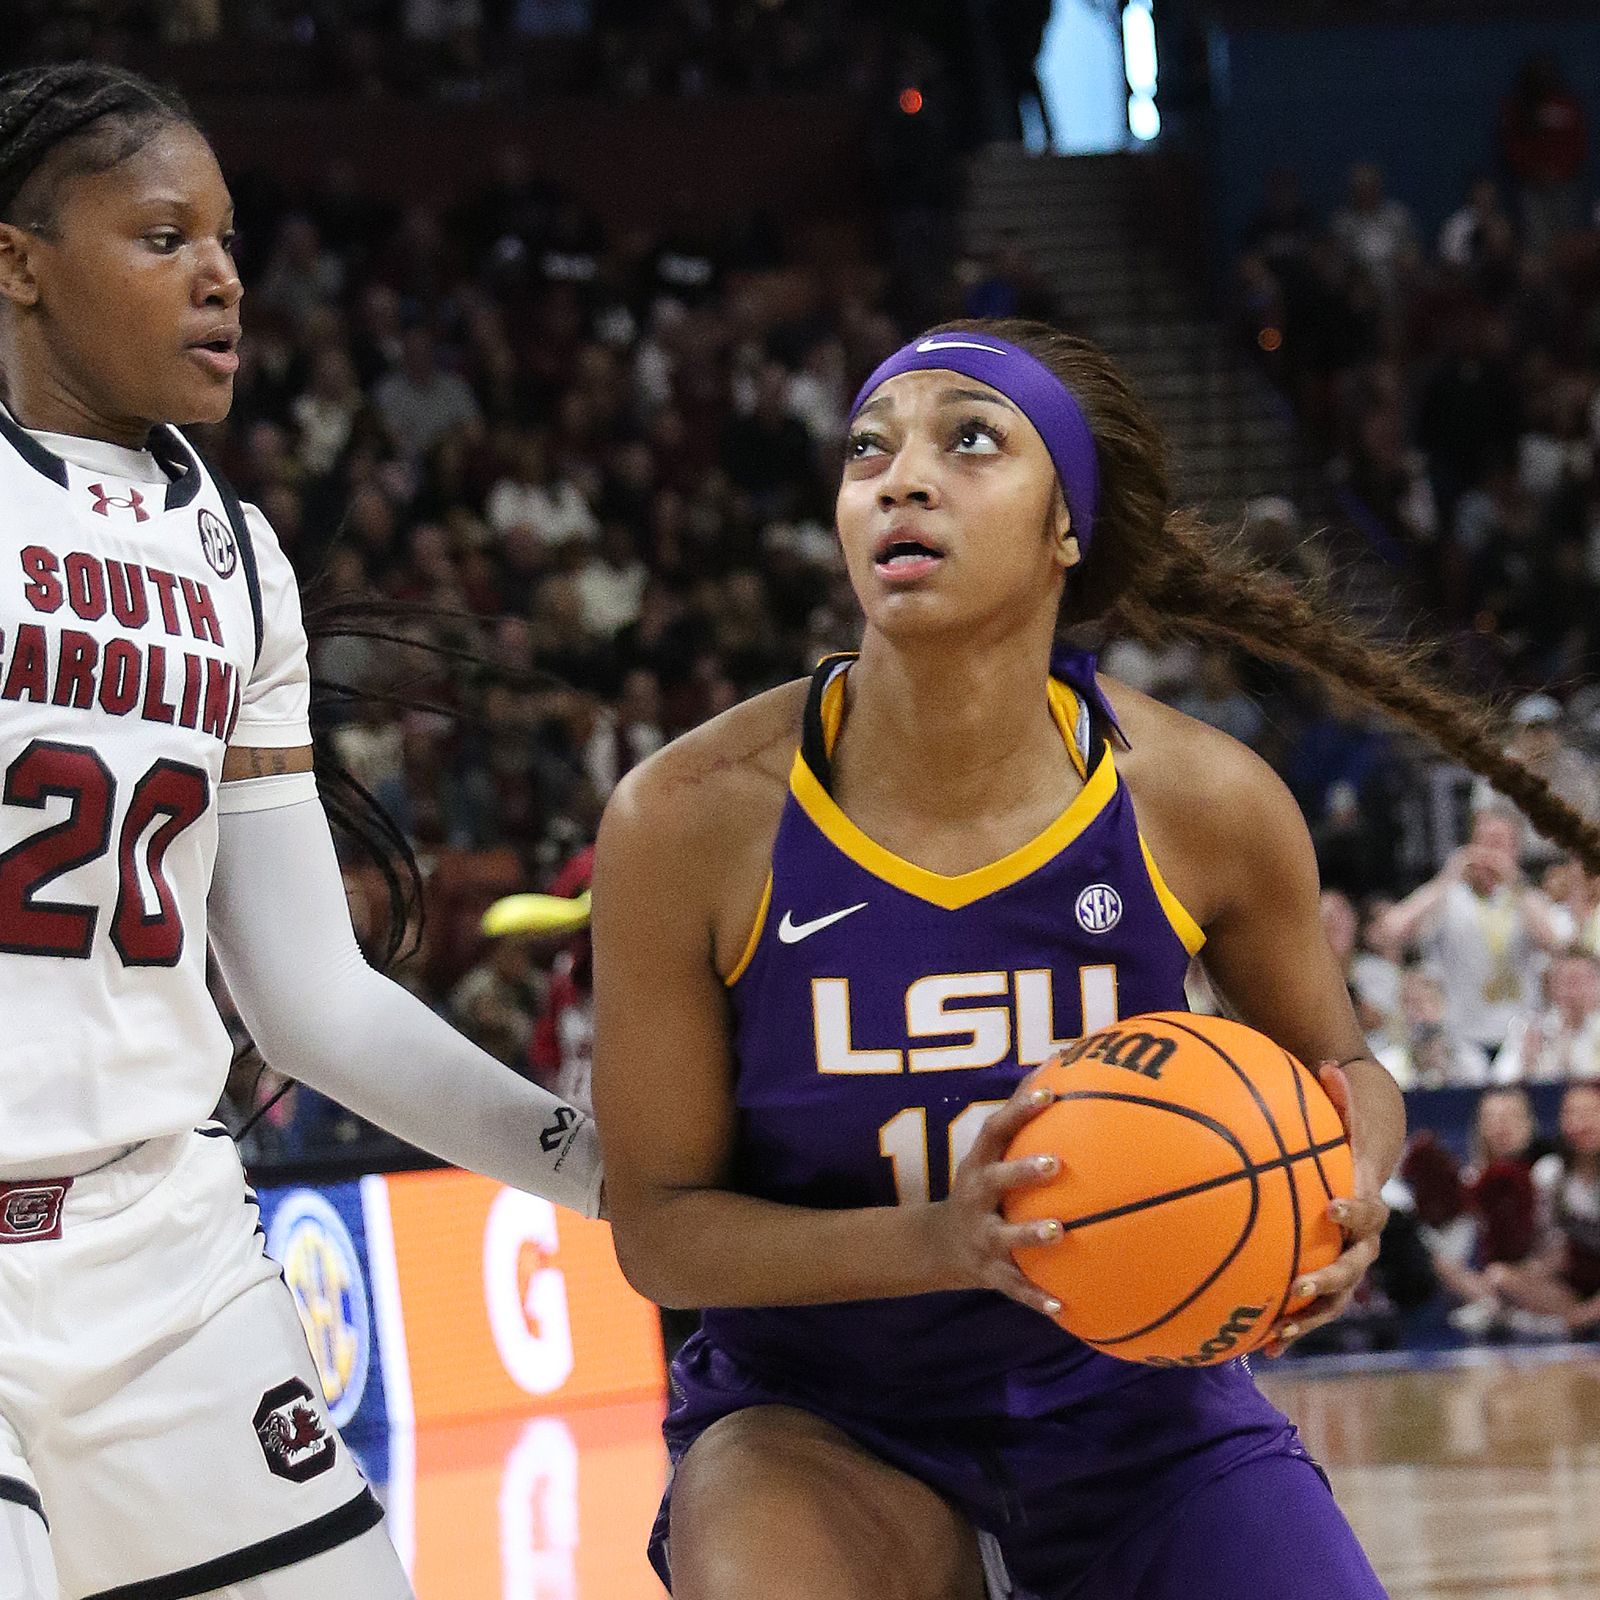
(1478, 1481)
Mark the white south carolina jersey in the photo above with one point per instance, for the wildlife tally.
(147, 621)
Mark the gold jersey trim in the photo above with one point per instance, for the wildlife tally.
(748, 954)
(1187, 929)
(951, 893)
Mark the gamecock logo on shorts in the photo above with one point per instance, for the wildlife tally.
(217, 544)
(293, 1438)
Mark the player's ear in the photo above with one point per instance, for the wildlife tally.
(1066, 541)
(19, 279)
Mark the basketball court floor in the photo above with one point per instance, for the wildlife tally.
(1478, 1478)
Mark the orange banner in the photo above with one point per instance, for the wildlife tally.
(511, 1305)
(540, 1508)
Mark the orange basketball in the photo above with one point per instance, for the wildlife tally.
(1197, 1162)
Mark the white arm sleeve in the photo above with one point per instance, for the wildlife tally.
(280, 927)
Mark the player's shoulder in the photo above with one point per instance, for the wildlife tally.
(729, 775)
(1216, 816)
(1178, 758)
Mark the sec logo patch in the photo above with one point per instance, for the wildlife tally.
(1099, 908)
(217, 544)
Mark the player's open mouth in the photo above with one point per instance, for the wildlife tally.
(905, 557)
(219, 354)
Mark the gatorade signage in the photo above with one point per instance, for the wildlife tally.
(442, 1297)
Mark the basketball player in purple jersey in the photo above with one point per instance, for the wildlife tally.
(835, 927)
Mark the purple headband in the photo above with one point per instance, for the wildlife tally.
(1032, 387)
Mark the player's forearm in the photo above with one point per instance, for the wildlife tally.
(280, 926)
(1378, 1122)
(711, 1247)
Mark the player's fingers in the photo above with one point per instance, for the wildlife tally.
(1341, 1276)
(1000, 1176)
(1336, 1085)
(1361, 1216)
(1000, 1127)
(1010, 1282)
(1017, 1235)
(1323, 1310)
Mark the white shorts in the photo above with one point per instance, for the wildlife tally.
(159, 1406)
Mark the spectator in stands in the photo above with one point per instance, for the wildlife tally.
(1376, 971)
(301, 277)
(536, 500)
(1284, 230)
(1466, 232)
(1560, 1040)
(625, 733)
(419, 401)
(1538, 740)
(496, 1002)
(1484, 1217)
(562, 1047)
(1482, 931)
(1375, 231)
(1425, 1051)
(1215, 695)
(1562, 1282)
(324, 415)
(1505, 1129)
(1544, 141)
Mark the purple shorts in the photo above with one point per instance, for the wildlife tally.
(1179, 1485)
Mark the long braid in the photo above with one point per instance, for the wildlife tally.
(42, 109)
(1243, 603)
(1156, 572)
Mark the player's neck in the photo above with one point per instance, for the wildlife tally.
(955, 727)
(50, 406)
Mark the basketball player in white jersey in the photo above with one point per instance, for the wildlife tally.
(162, 1432)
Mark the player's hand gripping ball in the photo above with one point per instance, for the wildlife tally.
(1197, 1159)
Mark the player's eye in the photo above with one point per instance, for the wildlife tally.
(977, 438)
(164, 241)
(859, 446)
(229, 240)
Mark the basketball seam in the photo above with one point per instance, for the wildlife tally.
(1225, 1133)
(1254, 1168)
(1173, 1021)
(1305, 1120)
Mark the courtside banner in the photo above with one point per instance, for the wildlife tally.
(433, 1297)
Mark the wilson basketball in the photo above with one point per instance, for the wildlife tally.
(1197, 1162)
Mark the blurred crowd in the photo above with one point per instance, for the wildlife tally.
(1452, 384)
(558, 492)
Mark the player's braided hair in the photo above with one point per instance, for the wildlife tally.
(1154, 571)
(78, 117)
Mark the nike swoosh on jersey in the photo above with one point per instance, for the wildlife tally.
(792, 932)
(958, 344)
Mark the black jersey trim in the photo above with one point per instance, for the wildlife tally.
(247, 549)
(813, 743)
(177, 459)
(41, 460)
(25, 1495)
(313, 1538)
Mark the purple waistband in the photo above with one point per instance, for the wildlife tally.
(1032, 387)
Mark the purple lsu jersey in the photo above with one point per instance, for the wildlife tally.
(883, 1011)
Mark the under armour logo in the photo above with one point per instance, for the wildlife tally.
(131, 501)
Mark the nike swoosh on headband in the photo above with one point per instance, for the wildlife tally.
(958, 344)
